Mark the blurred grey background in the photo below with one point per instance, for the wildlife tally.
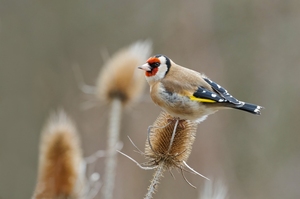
(251, 47)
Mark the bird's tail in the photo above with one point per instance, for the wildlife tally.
(251, 108)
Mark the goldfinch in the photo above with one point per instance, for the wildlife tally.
(187, 94)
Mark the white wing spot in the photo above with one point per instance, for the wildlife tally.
(203, 91)
(213, 95)
(218, 86)
(257, 109)
(221, 100)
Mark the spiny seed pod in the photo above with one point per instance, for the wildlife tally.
(120, 77)
(160, 147)
(59, 174)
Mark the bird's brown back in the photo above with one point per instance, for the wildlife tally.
(183, 80)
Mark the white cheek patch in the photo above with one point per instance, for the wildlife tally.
(161, 71)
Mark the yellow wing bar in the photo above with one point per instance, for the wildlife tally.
(201, 99)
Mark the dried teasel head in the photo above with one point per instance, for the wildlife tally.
(120, 77)
(168, 145)
(60, 162)
(161, 147)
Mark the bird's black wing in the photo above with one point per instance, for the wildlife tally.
(206, 96)
(222, 92)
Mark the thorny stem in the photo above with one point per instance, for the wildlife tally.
(161, 167)
(154, 182)
(113, 139)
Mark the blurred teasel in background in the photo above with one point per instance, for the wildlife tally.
(119, 78)
(120, 84)
(60, 170)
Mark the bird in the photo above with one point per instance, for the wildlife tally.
(187, 94)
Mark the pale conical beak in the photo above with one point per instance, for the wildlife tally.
(145, 67)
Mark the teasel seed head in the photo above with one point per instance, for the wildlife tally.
(160, 147)
(120, 77)
(60, 162)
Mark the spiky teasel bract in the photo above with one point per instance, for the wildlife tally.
(60, 174)
(120, 77)
(161, 148)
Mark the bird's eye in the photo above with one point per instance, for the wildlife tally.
(156, 64)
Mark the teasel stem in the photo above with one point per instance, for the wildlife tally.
(112, 142)
(158, 174)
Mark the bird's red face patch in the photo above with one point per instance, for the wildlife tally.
(152, 72)
(153, 62)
